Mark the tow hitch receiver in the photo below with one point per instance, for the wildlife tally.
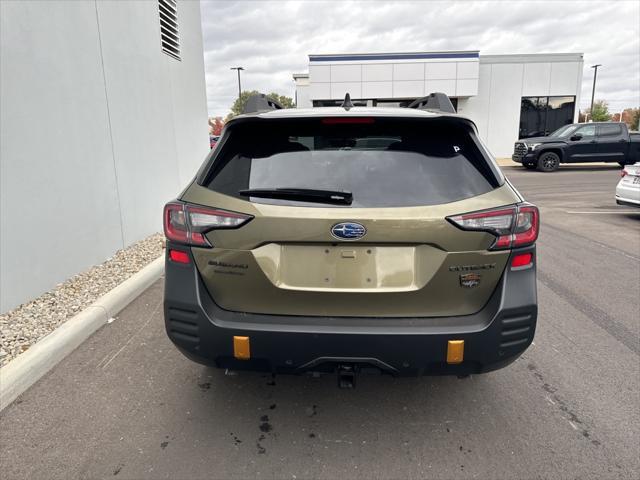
(346, 376)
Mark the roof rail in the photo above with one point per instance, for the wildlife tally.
(259, 103)
(437, 102)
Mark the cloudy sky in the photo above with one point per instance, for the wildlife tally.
(272, 39)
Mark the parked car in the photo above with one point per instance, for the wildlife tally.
(579, 142)
(628, 188)
(347, 239)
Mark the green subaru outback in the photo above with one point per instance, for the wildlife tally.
(351, 239)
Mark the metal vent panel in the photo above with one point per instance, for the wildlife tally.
(169, 34)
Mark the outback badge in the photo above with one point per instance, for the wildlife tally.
(470, 280)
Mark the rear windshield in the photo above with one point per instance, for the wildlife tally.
(384, 163)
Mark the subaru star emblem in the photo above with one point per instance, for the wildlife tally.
(348, 231)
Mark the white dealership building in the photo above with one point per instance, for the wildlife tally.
(103, 119)
(508, 96)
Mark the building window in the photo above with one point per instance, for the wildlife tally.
(382, 103)
(391, 103)
(540, 116)
(169, 35)
(337, 103)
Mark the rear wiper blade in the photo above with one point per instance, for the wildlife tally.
(301, 194)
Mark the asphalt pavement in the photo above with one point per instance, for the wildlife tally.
(126, 404)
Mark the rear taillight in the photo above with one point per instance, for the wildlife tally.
(185, 223)
(522, 260)
(179, 256)
(513, 226)
(623, 172)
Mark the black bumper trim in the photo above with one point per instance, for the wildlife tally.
(621, 201)
(526, 158)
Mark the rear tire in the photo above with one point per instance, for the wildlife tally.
(529, 166)
(548, 162)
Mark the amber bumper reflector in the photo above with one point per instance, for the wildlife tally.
(241, 349)
(455, 351)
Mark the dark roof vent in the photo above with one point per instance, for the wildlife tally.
(260, 103)
(437, 102)
(347, 104)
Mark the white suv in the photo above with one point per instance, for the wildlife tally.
(628, 189)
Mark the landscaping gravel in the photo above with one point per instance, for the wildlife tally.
(25, 325)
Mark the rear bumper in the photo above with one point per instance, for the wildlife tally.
(627, 202)
(628, 194)
(494, 337)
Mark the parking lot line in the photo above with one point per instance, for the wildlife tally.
(626, 212)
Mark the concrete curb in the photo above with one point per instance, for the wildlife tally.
(506, 162)
(26, 369)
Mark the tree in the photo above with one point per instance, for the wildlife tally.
(215, 126)
(630, 116)
(600, 112)
(238, 106)
(635, 119)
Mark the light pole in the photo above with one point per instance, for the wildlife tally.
(239, 87)
(593, 91)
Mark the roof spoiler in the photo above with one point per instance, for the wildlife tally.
(436, 102)
(260, 103)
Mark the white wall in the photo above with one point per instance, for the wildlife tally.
(302, 91)
(504, 80)
(302, 97)
(393, 76)
(98, 128)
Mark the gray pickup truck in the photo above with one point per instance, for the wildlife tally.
(579, 142)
